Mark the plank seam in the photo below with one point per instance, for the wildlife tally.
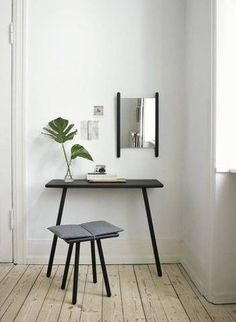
(194, 292)
(6, 273)
(121, 297)
(15, 285)
(84, 292)
(139, 292)
(28, 293)
(10, 303)
(197, 293)
(46, 294)
(177, 294)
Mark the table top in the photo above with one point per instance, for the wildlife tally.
(131, 184)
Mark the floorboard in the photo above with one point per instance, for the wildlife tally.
(112, 306)
(193, 306)
(218, 313)
(34, 301)
(69, 312)
(92, 304)
(4, 270)
(169, 299)
(53, 301)
(9, 281)
(151, 299)
(15, 300)
(131, 301)
(138, 294)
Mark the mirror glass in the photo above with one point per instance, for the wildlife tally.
(137, 122)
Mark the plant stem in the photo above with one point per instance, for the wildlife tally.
(69, 167)
(67, 162)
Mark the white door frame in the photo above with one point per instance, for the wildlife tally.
(19, 69)
(6, 228)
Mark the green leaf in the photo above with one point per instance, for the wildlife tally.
(60, 130)
(49, 131)
(49, 135)
(69, 128)
(78, 150)
(70, 135)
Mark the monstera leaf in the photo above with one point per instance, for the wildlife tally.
(60, 130)
(78, 150)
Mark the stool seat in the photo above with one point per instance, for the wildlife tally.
(75, 234)
(86, 231)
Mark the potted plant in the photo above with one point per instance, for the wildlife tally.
(61, 131)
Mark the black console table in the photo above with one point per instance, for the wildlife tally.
(84, 184)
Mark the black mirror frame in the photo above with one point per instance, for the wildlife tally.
(118, 125)
(156, 124)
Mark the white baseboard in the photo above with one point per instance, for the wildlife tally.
(197, 280)
(222, 298)
(193, 268)
(117, 251)
(197, 275)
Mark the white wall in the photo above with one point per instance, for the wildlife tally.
(209, 204)
(223, 282)
(223, 268)
(79, 55)
(197, 145)
(226, 71)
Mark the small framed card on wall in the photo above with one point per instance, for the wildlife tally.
(98, 110)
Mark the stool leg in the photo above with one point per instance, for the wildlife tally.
(76, 273)
(104, 271)
(63, 284)
(93, 261)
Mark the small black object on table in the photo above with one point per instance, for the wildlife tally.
(143, 184)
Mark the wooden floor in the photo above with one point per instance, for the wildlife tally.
(138, 294)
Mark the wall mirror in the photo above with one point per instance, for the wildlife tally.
(137, 123)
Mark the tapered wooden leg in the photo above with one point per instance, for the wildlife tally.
(67, 265)
(93, 261)
(54, 242)
(152, 233)
(76, 274)
(104, 270)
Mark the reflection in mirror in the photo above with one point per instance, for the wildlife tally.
(137, 122)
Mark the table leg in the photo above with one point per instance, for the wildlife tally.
(152, 233)
(76, 273)
(54, 242)
(104, 270)
(68, 258)
(93, 255)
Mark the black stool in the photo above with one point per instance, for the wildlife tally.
(75, 234)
